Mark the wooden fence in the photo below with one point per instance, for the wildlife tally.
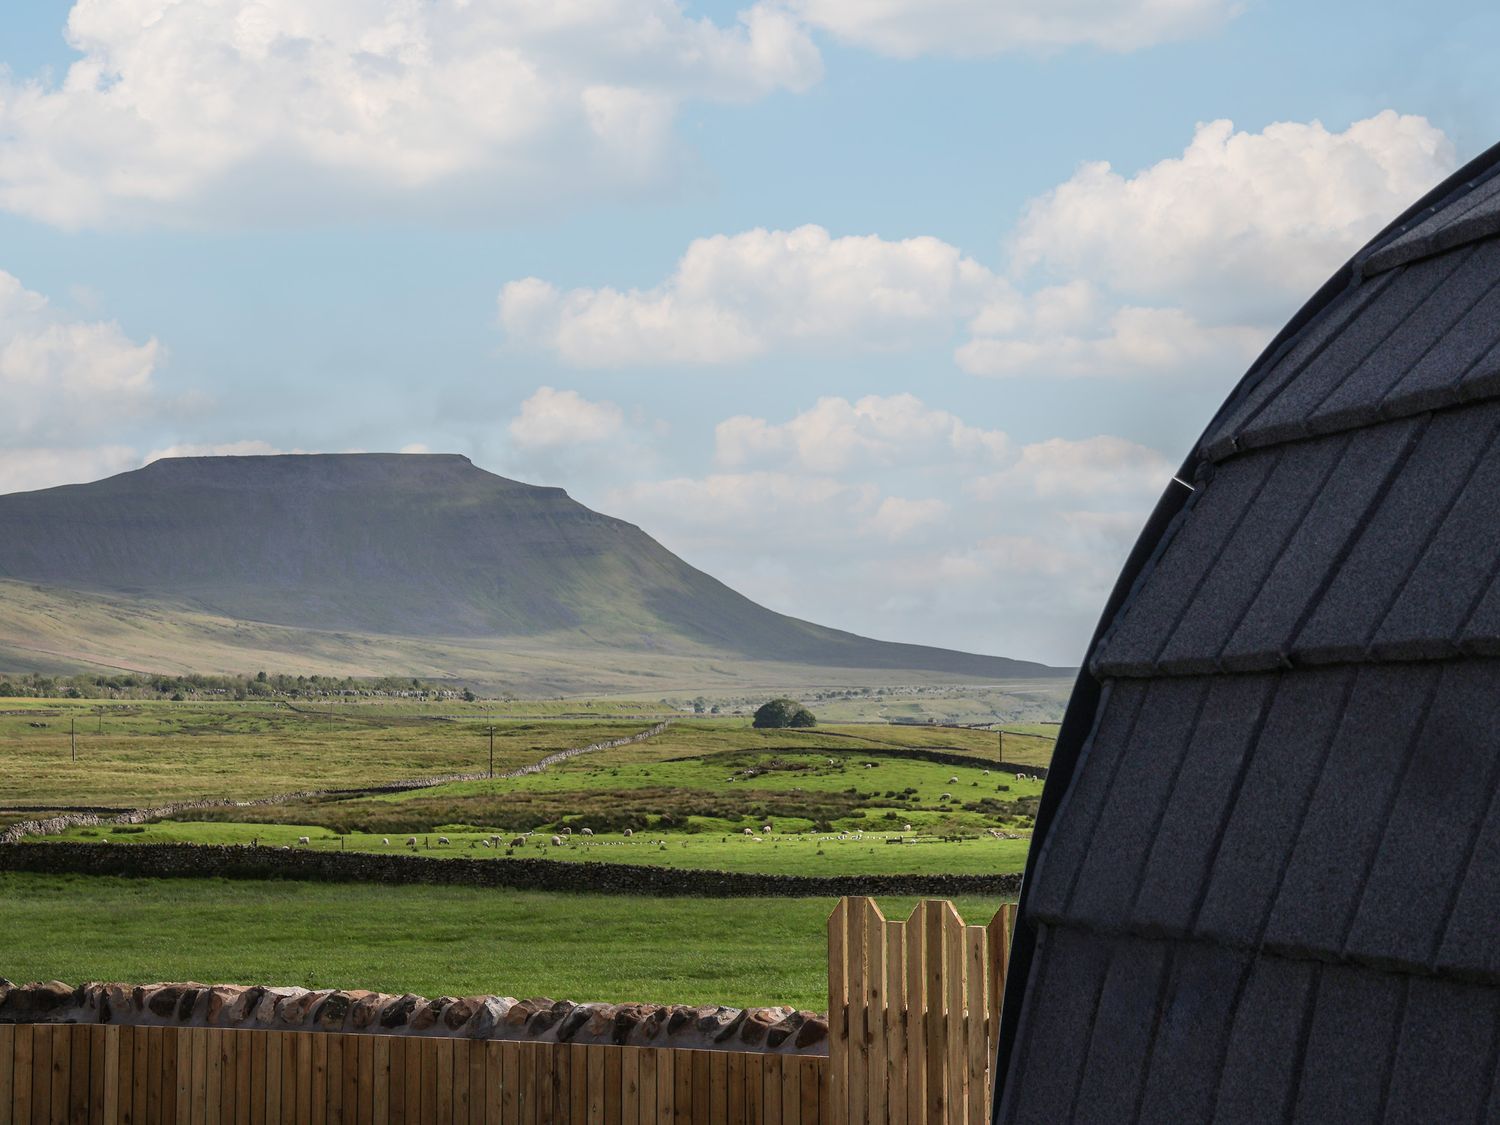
(913, 1014)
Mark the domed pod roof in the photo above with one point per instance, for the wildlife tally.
(1265, 882)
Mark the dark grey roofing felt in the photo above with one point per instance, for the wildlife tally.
(1266, 878)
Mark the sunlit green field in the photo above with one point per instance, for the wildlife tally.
(433, 941)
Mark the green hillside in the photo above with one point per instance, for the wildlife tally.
(369, 556)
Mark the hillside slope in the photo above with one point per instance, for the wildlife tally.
(408, 546)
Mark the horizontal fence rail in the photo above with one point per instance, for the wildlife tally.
(188, 1075)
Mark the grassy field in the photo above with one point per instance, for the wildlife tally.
(429, 940)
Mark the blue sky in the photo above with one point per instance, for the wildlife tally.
(834, 298)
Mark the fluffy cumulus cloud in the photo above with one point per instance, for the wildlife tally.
(256, 109)
(60, 373)
(835, 434)
(905, 28)
(552, 418)
(733, 297)
(1183, 269)
(1240, 222)
(896, 518)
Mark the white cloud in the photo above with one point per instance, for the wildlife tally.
(59, 374)
(733, 297)
(749, 507)
(552, 418)
(1101, 468)
(836, 433)
(906, 28)
(255, 109)
(900, 518)
(1241, 223)
(24, 469)
(253, 448)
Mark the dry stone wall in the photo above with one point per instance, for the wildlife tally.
(539, 1020)
(237, 861)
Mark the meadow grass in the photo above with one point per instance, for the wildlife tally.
(429, 940)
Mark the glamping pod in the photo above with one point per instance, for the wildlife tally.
(1265, 884)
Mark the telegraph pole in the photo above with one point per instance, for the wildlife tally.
(1002, 745)
(73, 735)
(492, 753)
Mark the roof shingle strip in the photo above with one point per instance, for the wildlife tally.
(1472, 216)
(1227, 1037)
(1308, 812)
(1357, 548)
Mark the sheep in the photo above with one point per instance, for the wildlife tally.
(385, 841)
(567, 831)
(411, 841)
(588, 831)
(765, 828)
(442, 840)
(303, 840)
(557, 841)
(906, 828)
(486, 843)
(518, 842)
(953, 781)
(628, 833)
(946, 797)
(749, 832)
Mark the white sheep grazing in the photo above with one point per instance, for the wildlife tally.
(953, 781)
(386, 841)
(518, 842)
(557, 841)
(411, 841)
(588, 831)
(906, 828)
(765, 828)
(749, 832)
(567, 832)
(303, 840)
(629, 833)
(486, 843)
(946, 797)
(443, 840)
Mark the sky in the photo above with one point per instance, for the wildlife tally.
(896, 315)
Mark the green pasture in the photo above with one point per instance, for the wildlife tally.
(432, 941)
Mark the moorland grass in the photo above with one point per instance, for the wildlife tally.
(429, 940)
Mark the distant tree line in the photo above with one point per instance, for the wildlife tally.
(260, 685)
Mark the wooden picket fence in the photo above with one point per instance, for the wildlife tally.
(913, 1015)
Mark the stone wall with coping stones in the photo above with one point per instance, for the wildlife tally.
(54, 825)
(539, 1020)
(237, 861)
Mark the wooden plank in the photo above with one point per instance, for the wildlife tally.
(413, 1105)
(380, 1097)
(896, 1016)
(227, 1078)
(914, 938)
(876, 1004)
(597, 1084)
(702, 1080)
(718, 1086)
(244, 1075)
(93, 1106)
(21, 1074)
(445, 1087)
(460, 1082)
(770, 1090)
(646, 1107)
(682, 1095)
(151, 1076)
(208, 1078)
(838, 1012)
(256, 1095)
(7, 1073)
(734, 1085)
(109, 1096)
(976, 1028)
(57, 1073)
(666, 1086)
(630, 1086)
(613, 1068)
(271, 1102)
(532, 1082)
(304, 1076)
(578, 1064)
(117, 1091)
(475, 1049)
(138, 1068)
(562, 1085)
(289, 1078)
(791, 1091)
(754, 1070)
(327, 1051)
(366, 1079)
(349, 1076)
(396, 1083)
(997, 935)
(955, 969)
(812, 1069)
(937, 1027)
(73, 1107)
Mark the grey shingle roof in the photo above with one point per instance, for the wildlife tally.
(1266, 878)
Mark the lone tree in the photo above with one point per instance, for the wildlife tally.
(784, 713)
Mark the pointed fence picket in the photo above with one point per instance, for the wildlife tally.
(913, 1011)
